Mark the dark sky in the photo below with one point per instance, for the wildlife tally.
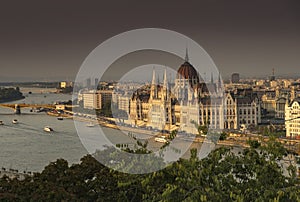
(49, 40)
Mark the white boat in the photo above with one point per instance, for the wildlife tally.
(160, 139)
(15, 121)
(90, 124)
(48, 129)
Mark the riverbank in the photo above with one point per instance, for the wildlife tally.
(11, 99)
(153, 134)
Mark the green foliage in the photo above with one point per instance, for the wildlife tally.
(9, 94)
(273, 149)
(223, 136)
(172, 135)
(253, 144)
(252, 175)
(203, 129)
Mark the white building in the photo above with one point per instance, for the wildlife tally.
(96, 99)
(292, 118)
(124, 102)
(91, 100)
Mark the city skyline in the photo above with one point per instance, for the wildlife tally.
(250, 38)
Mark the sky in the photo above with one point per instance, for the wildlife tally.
(49, 40)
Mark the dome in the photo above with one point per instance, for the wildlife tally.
(187, 71)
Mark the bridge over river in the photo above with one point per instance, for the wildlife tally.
(17, 107)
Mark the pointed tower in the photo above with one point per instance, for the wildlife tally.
(165, 79)
(157, 86)
(186, 55)
(165, 86)
(153, 77)
(153, 85)
(219, 87)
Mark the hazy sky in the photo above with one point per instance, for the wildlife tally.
(49, 40)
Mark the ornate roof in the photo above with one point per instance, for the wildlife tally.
(187, 71)
(295, 100)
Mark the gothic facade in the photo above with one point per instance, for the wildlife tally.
(190, 103)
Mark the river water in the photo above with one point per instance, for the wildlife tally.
(25, 146)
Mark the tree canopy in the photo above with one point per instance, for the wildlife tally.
(254, 174)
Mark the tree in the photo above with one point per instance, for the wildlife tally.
(223, 136)
(252, 175)
(254, 144)
(203, 129)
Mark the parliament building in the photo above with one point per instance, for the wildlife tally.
(191, 102)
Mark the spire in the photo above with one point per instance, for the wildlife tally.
(153, 77)
(165, 79)
(219, 83)
(165, 85)
(186, 55)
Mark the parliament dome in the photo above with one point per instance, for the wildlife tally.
(187, 71)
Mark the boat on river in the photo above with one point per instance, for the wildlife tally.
(90, 124)
(48, 129)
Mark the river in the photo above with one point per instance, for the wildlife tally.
(26, 147)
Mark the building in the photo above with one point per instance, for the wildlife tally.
(292, 118)
(269, 103)
(280, 108)
(96, 82)
(191, 103)
(88, 82)
(96, 99)
(65, 87)
(124, 103)
(235, 78)
(65, 84)
(105, 96)
(91, 100)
